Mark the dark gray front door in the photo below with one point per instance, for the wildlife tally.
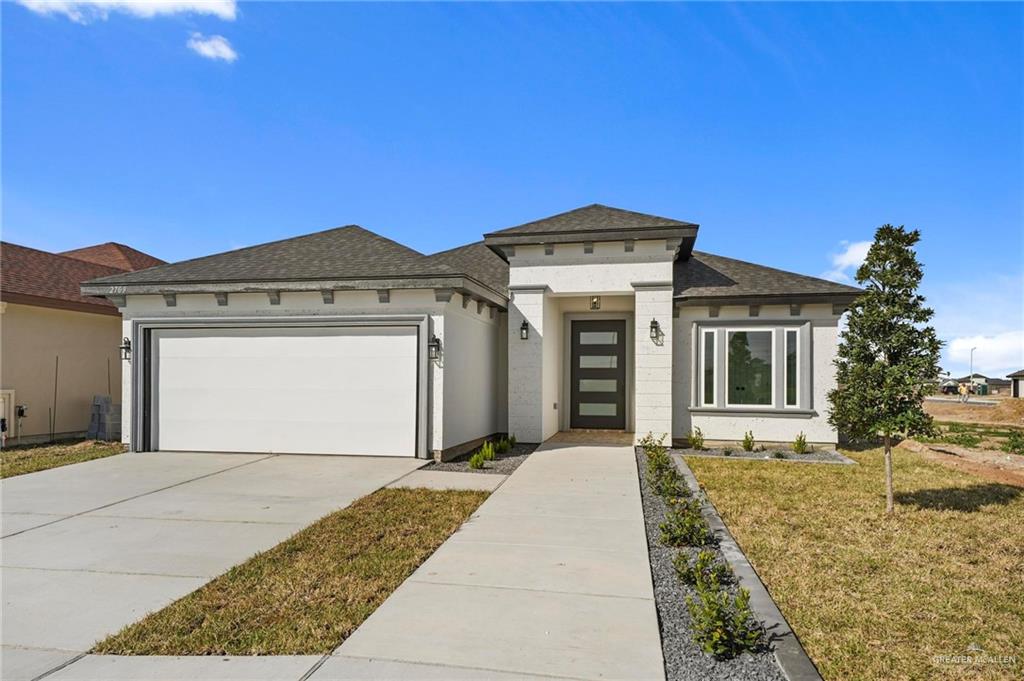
(598, 374)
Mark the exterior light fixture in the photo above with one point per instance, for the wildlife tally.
(595, 302)
(434, 348)
(126, 349)
(524, 330)
(655, 330)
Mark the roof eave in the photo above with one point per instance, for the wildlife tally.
(686, 235)
(835, 298)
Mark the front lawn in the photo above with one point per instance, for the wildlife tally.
(873, 597)
(309, 593)
(23, 459)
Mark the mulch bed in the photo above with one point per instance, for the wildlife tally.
(503, 464)
(815, 456)
(684, 661)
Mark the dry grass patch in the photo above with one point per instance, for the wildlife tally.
(22, 459)
(873, 597)
(309, 593)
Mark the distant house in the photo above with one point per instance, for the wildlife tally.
(1016, 383)
(58, 348)
(996, 386)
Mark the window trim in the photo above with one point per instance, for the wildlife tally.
(749, 329)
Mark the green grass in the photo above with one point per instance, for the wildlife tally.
(23, 459)
(873, 597)
(309, 593)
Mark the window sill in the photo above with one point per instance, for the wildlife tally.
(770, 412)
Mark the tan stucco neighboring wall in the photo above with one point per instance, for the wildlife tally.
(31, 338)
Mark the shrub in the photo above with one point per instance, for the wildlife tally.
(696, 439)
(512, 440)
(702, 568)
(778, 455)
(723, 625)
(962, 439)
(1014, 443)
(684, 525)
(727, 452)
(487, 451)
(748, 441)
(476, 461)
(669, 484)
(800, 443)
(502, 446)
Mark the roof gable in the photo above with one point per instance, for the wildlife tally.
(593, 218)
(33, 277)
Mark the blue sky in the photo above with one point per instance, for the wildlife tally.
(789, 132)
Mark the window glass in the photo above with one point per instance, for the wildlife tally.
(598, 385)
(599, 361)
(709, 367)
(791, 375)
(597, 408)
(599, 337)
(750, 367)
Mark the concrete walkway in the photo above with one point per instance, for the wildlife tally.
(549, 578)
(92, 547)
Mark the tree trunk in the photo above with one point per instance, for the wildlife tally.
(890, 507)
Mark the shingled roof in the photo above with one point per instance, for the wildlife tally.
(593, 218)
(705, 276)
(115, 255)
(342, 253)
(29, 276)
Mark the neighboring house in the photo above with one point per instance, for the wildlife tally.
(995, 386)
(58, 348)
(344, 342)
(1016, 383)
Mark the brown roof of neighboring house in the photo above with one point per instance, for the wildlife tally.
(32, 277)
(115, 255)
(1016, 374)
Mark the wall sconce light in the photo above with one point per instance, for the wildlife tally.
(434, 348)
(595, 302)
(524, 330)
(126, 349)
(655, 330)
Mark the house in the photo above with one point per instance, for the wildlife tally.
(993, 386)
(345, 342)
(1016, 383)
(58, 348)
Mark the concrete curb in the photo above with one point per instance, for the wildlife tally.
(790, 655)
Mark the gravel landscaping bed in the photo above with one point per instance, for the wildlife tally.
(684, 661)
(816, 456)
(503, 464)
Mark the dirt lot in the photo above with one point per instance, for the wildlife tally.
(1008, 411)
(994, 465)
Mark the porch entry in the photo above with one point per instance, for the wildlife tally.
(598, 374)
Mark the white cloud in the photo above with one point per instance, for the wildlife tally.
(846, 261)
(995, 356)
(82, 11)
(212, 47)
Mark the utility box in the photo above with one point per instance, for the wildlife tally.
(105, 421)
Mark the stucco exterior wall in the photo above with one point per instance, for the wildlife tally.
(609, 269)
(771, 425)
(471, 373)
(526, 365)
(551, 400)
(31, 338)
(653, 389)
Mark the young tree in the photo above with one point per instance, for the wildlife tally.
(887, 354)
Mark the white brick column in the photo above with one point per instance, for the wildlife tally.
(652, 399)
(525, 364)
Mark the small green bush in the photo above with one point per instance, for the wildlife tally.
(696, 439)
(487, 451)
(962, 439)
(703, 567)
(684, 525)
(778, 455)
(1014, 443)
(723, 625)
(727, 452)
(476, 461)
(512, 440)
(748, 441)
(800, 443)
(670, 484)
(502, 446)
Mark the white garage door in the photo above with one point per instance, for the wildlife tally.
(324, 390)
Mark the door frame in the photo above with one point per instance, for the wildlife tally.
(565, 398)
(142, 378)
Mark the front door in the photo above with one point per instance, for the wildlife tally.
(598, 374)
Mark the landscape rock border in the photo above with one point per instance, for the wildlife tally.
(790, 655)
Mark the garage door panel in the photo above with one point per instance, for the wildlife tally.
(329, 390)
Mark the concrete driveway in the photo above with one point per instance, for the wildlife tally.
(92, 547)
